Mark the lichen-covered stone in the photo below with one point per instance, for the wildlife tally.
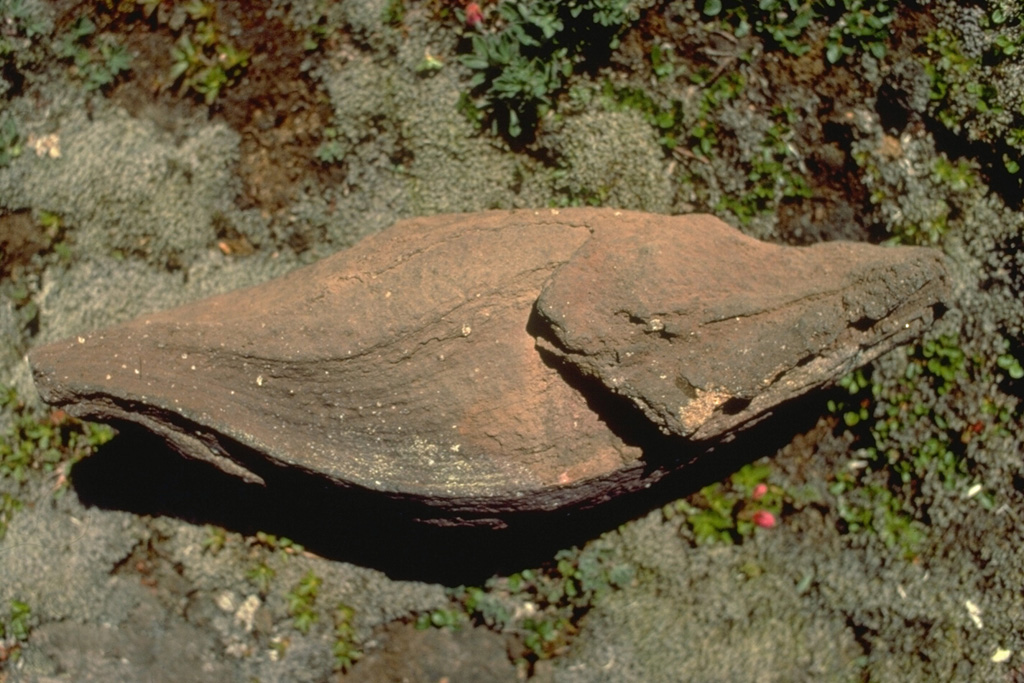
(124, 186)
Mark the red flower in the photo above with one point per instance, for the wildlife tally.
(474, 15)
(759, 491)
(765, 519)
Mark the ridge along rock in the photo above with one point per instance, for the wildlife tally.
(485, 365)
(705, 328)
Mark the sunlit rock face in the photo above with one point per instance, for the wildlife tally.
(489, 364)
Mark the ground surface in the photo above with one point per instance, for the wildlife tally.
(897, 553)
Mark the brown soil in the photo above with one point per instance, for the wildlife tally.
(21, 238)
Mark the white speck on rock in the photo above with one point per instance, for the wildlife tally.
(974, 612)
(246, 614)
(226, 601)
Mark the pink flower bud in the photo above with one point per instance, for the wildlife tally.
(474, 15)
(759, 491)
(764, 519)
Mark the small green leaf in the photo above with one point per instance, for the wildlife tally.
(83, 27)
(713, 8)
(514, 128)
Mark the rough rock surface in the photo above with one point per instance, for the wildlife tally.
(488, 364)
(705, 328)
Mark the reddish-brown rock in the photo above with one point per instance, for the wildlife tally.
(440, 361)
(705, 328)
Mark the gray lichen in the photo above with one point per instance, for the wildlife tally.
(610, 158)
(125, 187)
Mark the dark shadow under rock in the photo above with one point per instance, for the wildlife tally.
(137, 472)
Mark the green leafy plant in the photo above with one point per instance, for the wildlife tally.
(854, 383)
(11, 143)
(970, 94)
(542, 606)
(316, 25)
(53, 241)
(1010, 363)
(546, 638)
(440, 618)
(691, 124)
(272, 542)
(959, 176)
(21, 25)
(8, 506)
(873, 507)
(943, 359)
(331, 150)
(14, 630)
(727, 512)
(25, 308)
(774, 174)
(19, 623)
(21, 21)
(302, 602)
(712, 518)
(855, 25)
(879, 491)
(663, 61)
(946, 66)
(146, 7)
(50, 444)
(216, 538)
(98, 60)
(55, 233)
(666, 119)
(261, 576)
(346, 649)
(204, 60)
(1009, 32)
(394, 12)
(715, 90)
(781, 22)
(522, 63)
(919, 222)
(862, 26)
(429, 64)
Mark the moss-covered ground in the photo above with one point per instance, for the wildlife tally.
(153, 152)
